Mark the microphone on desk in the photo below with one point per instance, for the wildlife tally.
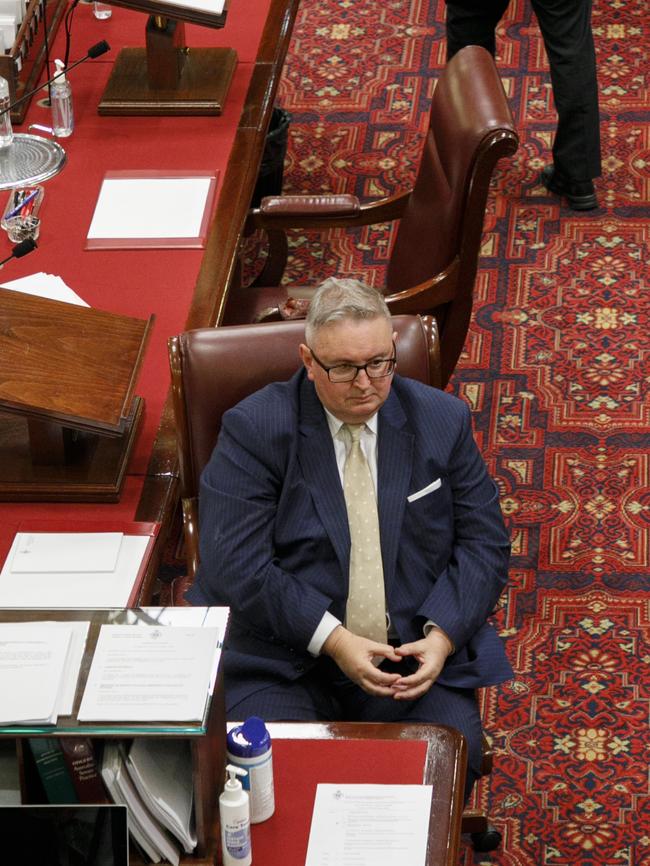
(20, 250)
(94, 51)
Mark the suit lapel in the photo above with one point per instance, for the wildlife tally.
(394, 469)
(318, 464)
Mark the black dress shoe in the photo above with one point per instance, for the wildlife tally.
(579, 194)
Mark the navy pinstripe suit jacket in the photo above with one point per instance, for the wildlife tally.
(274, 539)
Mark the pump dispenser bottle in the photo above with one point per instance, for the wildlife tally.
(234, 812)
(61, 99)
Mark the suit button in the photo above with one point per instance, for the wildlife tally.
(300, 668)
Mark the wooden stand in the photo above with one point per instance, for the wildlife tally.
(69, 419)
(167, 78)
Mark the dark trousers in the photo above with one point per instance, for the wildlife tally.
(569, 43)
(325, 694)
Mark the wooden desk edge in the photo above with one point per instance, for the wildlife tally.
(437, 737)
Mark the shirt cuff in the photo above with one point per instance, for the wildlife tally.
(323, 630)
(428, 625)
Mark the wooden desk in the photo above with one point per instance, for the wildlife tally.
(206, 738)
(184, 288)
(442, 765)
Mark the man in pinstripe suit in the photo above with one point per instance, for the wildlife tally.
(275, 538)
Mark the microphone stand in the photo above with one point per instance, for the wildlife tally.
(94, 51)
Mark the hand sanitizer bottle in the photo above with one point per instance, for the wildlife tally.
(6, 131)
(235, 821)
(61, 99)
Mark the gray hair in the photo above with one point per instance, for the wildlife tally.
(337, 299)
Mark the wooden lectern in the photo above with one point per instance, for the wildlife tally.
(167, 77)
(68, 419)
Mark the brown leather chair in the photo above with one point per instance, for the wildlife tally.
(434, 256)
(214, 368)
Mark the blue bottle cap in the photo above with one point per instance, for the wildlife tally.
(250, 739)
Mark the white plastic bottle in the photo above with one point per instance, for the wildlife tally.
(61, 99)
(234, 812)
(249, 747)
(6, 131)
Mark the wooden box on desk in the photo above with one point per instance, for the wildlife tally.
(207, 740)
(69, 373)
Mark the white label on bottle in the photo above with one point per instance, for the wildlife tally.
(261, 791)
(238, 840)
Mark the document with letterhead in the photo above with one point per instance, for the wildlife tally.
(369, 825)
(150, 674)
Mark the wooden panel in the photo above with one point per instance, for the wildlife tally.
(67, 363)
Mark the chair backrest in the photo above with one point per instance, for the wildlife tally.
(470, 128)
(214, 368)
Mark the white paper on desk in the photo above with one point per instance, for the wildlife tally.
(45, 286)
(75, 589)
(205, 617)
(149, 674)
(36, 552)
(32, 663)
(154, 207)
(214, 6)
(369, 825)
(78, 636)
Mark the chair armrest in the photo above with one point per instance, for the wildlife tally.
(323, 212)
(310, 205)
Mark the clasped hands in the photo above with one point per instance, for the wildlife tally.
(354, 655)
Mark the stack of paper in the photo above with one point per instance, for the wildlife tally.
(162, 773)
(45, 286)
(71, 569)
(146, 831)
(205, 617)
(150, 674)
(34, 662)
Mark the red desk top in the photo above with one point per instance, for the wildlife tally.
(133, 282)
(299, 765)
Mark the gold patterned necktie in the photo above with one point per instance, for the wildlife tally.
(366, 607)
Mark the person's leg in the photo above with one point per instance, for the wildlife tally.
(440, 705)
(472, 22)
(566, 30)
(304, 699)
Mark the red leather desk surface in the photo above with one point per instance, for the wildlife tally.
(299, 765)
(133, 282)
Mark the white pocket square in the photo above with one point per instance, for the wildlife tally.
(425, 490)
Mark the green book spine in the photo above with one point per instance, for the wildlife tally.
(53, 770)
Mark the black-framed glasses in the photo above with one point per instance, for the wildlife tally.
(378, 368)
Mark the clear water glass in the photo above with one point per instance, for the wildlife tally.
(6, 131)
(102, 11)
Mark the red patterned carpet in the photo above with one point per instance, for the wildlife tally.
(556, 371)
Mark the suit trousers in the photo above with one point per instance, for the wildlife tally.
(566, 29)
(325, 694)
